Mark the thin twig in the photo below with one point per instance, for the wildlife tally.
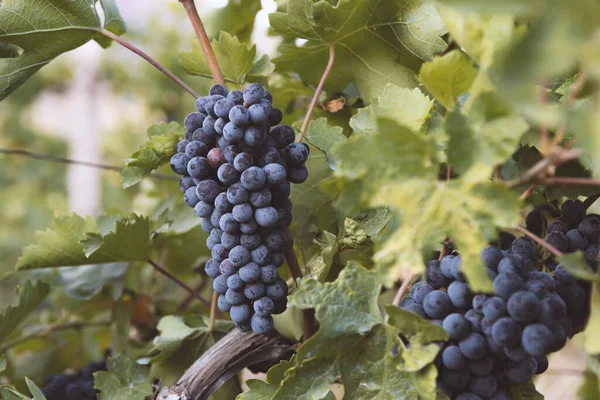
(565, 180)
(211, 59)
(403, 287)
(178, 282)
(527, 192)
(315, 98)
(55, 328)
(152, 61)
(543, 165)
(213, 311)
(540, 241)
(188, 299)
(448, 173)
(64, 160)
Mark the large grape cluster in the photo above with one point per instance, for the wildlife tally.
(78, 386)
(237, 163)
(505, 337)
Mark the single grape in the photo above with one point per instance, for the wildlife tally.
(494, 308)
(253, 93)
(419, 290)
(242, 212)
(275, 116)
(216, 158)
(590, 226)
(507, 265)
(235, 297)
(483, 366)
(254, 291)
(558, 240)
(457, 326)
(264, 306)
(577, 240)
(179, 163)
(416, 308)
(240, 313)
(236, 96)
(283, 135)
(196, 148)
(521, 371)
(525, 247)
(259, 113)
(223, 107)
(268, 274)
(537, 288)
(508, 283)
(219, 252)
(537, 339)
(250, 242)
(563, 276)
(298, 175)
(249, 227)
(434, 274)
(261, 255)
(185, 183)
(190, 198)
(223, 304)
(230, 240)
(276, 240)
(437, 304)
(239, 116)
(237, 194)
(274, 174)
(218, 89)
(297, 154)
(523, 306)
(227, 268)
(456, 274)
(552, 310)
(193, 121)
(460, 295)
(491, 256)
(253, 178)
(446, 266)
(200, 103)
(475, 319)
(232, 132)
(208, 126)
(483, 386)
(207, 190)
(220, 125)
(516, 353)
(239, 256)
(198, 168)
(235, 282)
(277, 259)
(220, 284)
(266, 216)
(543, 277)
(277, 290)
(260, 198)
(212, 268)
(254, 135)
(250, 272)
(573, 211)
(453, 358)
(243, 161)
(261, 324)
(478, 302)
(228, 223)
(474, 346)
(206, 225)
(506, 332)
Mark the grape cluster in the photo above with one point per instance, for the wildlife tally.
(505, 337)
(79, 386)
(237, 163)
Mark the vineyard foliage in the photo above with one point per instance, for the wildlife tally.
(441, 123)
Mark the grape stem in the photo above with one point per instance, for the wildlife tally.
(213, 311)
(403, 287)
(211, 59)
(562, 180)
(313, 102)
(152, 61)
(544, 165)
(540, 241)
(178, 282)
(64, 160)
(55, 328)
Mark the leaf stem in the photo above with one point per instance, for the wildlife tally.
(540, 241)
(54, 328)
(211, 59)
(64, 160)
(403, 288)
(152, 61)
(313, 102)
(178, 282)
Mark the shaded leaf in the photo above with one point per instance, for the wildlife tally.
(324, 136)
(86, 281)
(124, 380)
(113, 22)
(35, 391)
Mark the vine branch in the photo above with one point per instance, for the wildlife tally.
(64, 160)
(313, 102)
(152, 61)
(211, 59)
(178, 282)
(55, 328)
(403, 287)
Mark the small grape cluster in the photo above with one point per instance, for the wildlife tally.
(505, 337)
(78, 386)
(237, 163)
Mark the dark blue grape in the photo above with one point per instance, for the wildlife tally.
(227, 268)
(483, 366)
(297, 154)
(275, 116)
(276, 241)
(208, 126)
(460, 295)
(537, 339)
(261, 255)
(200, 103)
(453, 358)
(249, 227)
(240, 313)
(577, 240)
(592, 255)
(230, 153)
(264, 306)
(232, 132)
(250, 272)
(185, 183)
(563, 276)
(223, 304)
(478, 302)
(212, 268)
(181, 146)
(262, 324)
(236, 96)
(222, 108)
(227, 174)
(207, 190)
(260, 198)
(543, 277)
(242, 212)
(266, 216)
(277, 290)
(516, 353)
(507, 265)
(254, 291)
(254, 135)
(235, 282)
(557, 226)
(206, 225)
(220, 125)
(243, 161)
(506, 332)
(525, 247)
(209, 107)
(253, 93)
(274, 174)
(437, 304)
(277, 259)
(223, 143)
(446, 266)
(521, 371)
(487, 325)
(507, 284)
(237, 194)
(253, 178)
(250, 242)
(558, 240)
(259, 113)
(456, 379)
(198, 168)
(419, 291)
(239, 256)
(219, 252)
(523, 306)
(204, 136)
(537, 288)
(235, 297)
(190, 198)
(573, 211)
(474, 346)
(494, 308)
(495, 348)
(218, 89)
(239, 116)
(416, 308)
(230, 240)
(552, 310)
(475, 319)
(268, 274)
(222, 204)
(283, 135)
(491, 256)
(214, 238)
(179, 163)
(457, 326)
(483, 386)
(193, 121)
(298, 175)
(220, 284)
(434, 274)
(559, 338)
(228, 224)
(456, 264)
(196, 148)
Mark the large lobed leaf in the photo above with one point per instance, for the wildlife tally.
(376, 42)
(34, 32)
(75, 241)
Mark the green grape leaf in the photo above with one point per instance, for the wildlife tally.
(236, 18)
(487, 137)
(577, 265)
(324, 136)
(375, 44)
(429, 210)
(364, 227)
(86, 281)
(321, 265)
(589, 389)
(591, 340)
(10, 393)
(160, 147)
(410, 108)
(2, 363)
(585, 121)
(448, 76)
(517, 7)
(42, 30)
(30, 297)
(415, 328)
(401, 153)
(113, 22)
(237, 60)
(124, 380)
(75, 241)
(35, 391)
